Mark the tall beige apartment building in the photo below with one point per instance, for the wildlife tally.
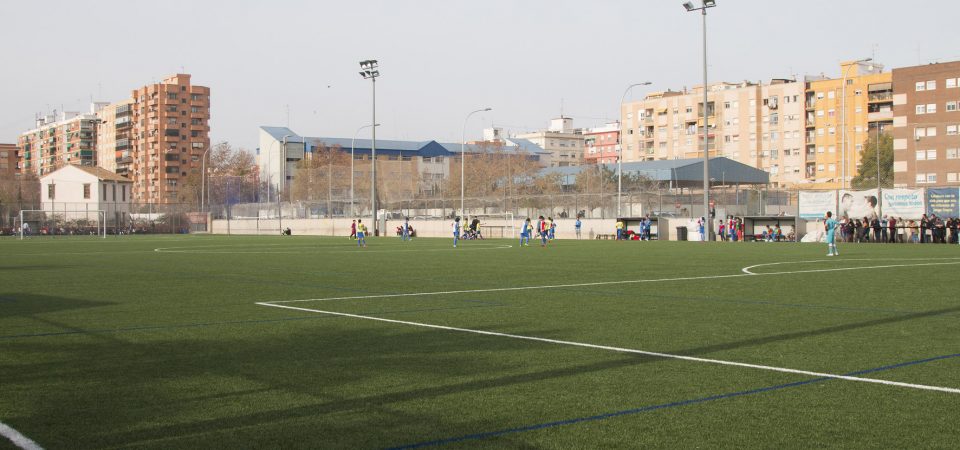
(757, 124)
(157, 137)
(833, 140)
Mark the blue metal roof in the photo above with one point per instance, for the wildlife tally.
(388, 147)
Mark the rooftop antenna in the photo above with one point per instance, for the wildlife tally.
(561, 107)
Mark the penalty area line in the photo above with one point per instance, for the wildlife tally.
(628, 350)
(745, 272)
(18, 438)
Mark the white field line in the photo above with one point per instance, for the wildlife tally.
(632, 351)
(309, 249)
(606, 283)
(18, 439)
(748, 269)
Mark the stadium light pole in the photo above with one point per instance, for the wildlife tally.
(463, 154)
(370, 72)
(353, 211)
(283, 164)
(620, 145)
(843, 119)
(204, 184)
(705, 4)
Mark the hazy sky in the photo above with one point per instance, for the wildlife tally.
(439, 59)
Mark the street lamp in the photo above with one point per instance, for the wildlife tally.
(620, 145)
(706, 137)
(843, 118)
(463, 154)
(353, 211)
(371, 72)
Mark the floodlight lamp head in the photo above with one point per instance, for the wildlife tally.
(488, 109)
(709, 3)
(688, 6)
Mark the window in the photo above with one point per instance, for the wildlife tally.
(951, 106)
(951, 83)
(921, 155)
(951, 130)
(832, 168)
(124, 190)
(104, 189)
(86, 190)
(931, 155)
(832, 149)
(820, 149)
(51, 191)
(931, 85)
(172, 96)
(953, 153)
(921, 109)
(920, 86)
(931, 108)
(931, 178)
(819, 131)
(921, 178)
(819, 113)
(832, 131)
(831, 112)
(726, 105)
(831, 94)
(820, 168)
(951, 177)
(858, 92)
(931, 131)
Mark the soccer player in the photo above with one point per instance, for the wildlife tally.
(405, 230)
(551, 228)
(619, 229)
(542, 228)
(525, 230)
(353, 230)
(577, 226)
(456, 231)
(830, 226)
(361, 232)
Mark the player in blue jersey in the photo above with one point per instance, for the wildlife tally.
(456, 231)
(830, 227)
(525, 230)
(577, 226)
(405, 230)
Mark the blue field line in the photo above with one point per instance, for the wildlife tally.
(477, 304)
(643, 409)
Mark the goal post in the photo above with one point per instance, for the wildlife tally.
(496, 225)
(45, 223)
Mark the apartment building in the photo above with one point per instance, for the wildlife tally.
(600, 144)
(564, 144)
(168, 133)
(926, 125)
(9, 160)
(114, 133)
(839, 116)
(59, 139)
(756, 124)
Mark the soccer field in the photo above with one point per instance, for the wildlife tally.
(243, 342)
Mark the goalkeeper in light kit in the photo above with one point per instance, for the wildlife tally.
(830, 227)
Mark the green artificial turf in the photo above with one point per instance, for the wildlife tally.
(158, 342)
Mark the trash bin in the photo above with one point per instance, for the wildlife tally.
(681, 233)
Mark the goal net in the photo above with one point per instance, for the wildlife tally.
(43, 223)
(494, 225)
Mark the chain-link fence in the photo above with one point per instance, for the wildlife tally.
(56, 218)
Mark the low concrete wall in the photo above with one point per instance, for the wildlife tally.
(425, 228)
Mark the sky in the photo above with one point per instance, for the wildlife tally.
(295, 63)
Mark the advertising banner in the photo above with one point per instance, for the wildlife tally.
(944, 202)
(903, 203)
(858, 204)
(815, 204)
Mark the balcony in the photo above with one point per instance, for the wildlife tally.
(880, 97)
(883, 114)
(124, 160)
